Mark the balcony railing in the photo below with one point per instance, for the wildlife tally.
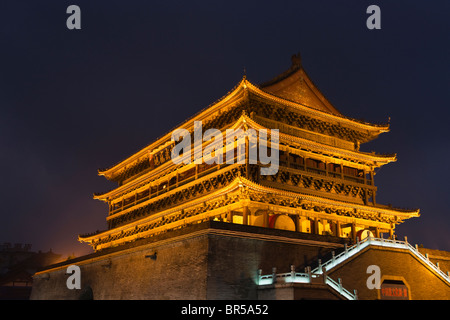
(307, 277)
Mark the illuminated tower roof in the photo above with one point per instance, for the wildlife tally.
(295, 85)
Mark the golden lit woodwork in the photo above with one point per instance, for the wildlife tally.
(323, 183)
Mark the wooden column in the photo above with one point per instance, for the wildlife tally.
(391, 232)
(245, 214)
(333, 228)
(288, 162)
(247, 154)
(297, 223)
(338, 228)
(372, 182)
(316, 225)
(377, 232)
(230, 216)
(266, 219)
(354, 231)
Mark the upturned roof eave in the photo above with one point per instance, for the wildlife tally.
(187, 123)
(244, 119)
(244, 84)
(240, 182)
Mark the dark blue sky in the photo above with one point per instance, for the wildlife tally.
(73, 101)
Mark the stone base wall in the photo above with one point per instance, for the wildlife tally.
(211, 260)
(217, 260)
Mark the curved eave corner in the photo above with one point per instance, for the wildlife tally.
(109, 173)
(100, 196)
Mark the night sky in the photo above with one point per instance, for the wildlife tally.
(74, 101)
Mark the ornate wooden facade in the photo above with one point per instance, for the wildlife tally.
(324, 183)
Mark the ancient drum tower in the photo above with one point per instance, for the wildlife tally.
(324, 184)
(201, 230)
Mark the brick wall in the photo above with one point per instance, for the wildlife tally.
(211, 260)
(233, 261)
(216, 260)
(178, 272)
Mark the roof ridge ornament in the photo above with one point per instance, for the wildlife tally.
(296, 60)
